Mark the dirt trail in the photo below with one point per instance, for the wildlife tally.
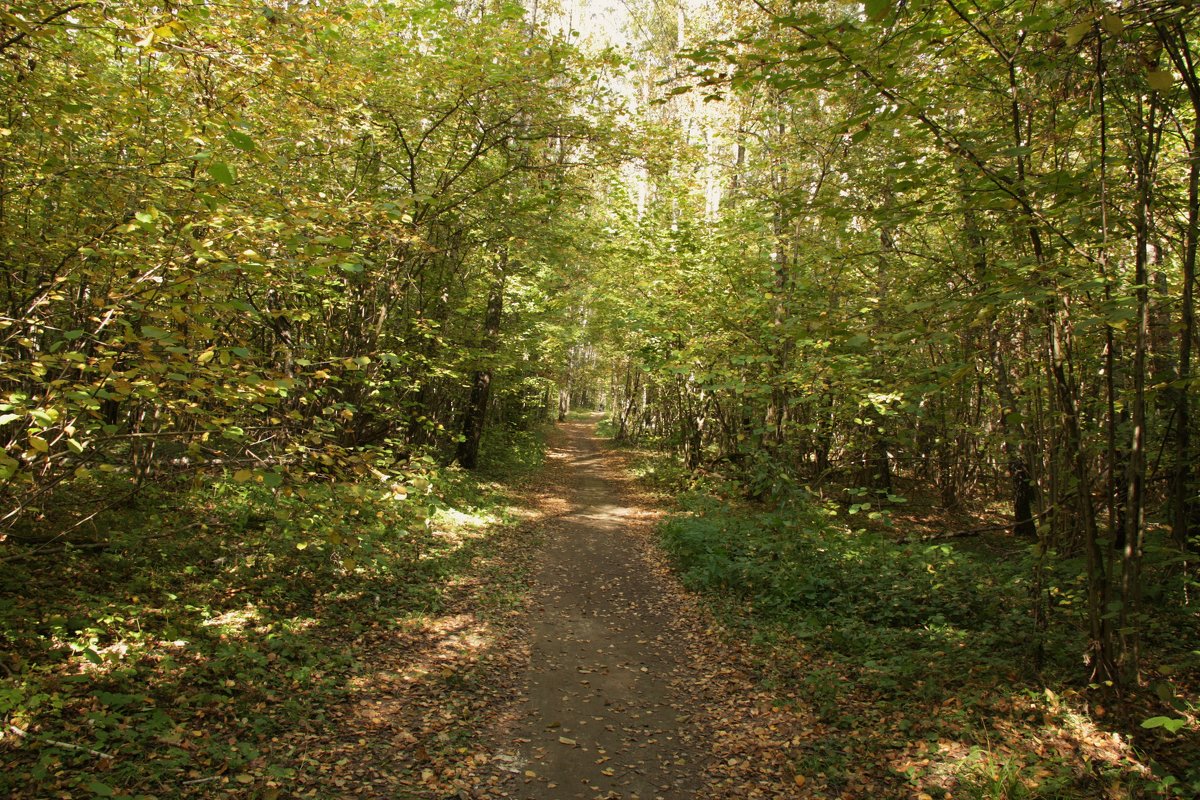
(610, 683)
(606, 712)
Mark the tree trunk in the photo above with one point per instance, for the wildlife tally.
(1185, 512)
(475, 414)
(1145, 158)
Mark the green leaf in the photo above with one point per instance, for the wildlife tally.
(241, 141)
(92, 656)
(1167, 723)
(1112, 23)
(44, 416)
(1076, 32)
(272, 479)
(101, 789)
(878, 9)
(221, 173)
(151, 332)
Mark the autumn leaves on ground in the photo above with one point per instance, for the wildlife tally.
(533, 642)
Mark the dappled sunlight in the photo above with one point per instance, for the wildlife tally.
(450, 522)
(1011, 757)
(605, 512)
(434, 649)
(234, 621)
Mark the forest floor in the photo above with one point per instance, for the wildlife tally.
(608, 682)
(534, 640)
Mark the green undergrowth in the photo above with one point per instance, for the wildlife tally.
(221, 614)
(922, 656)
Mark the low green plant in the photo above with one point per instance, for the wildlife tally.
(932, 637)
(193, 639)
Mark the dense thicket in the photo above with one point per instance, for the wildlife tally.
(289, 240)
(936, 250)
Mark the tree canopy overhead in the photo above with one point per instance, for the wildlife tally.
(265, 235)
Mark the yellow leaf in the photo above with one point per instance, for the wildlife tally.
(1076, 32)
(205, 357)
(244, 778)
(1160, 80)
(242, 475)
(1112, 23)
(800, 780)
(39, 444)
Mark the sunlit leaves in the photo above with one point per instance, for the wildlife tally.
(223, 259)
(1168, 724)
(1160, 80)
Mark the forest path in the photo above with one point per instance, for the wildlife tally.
(604, 715)
(627, 694)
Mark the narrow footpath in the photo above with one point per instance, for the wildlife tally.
(624, 696)
(604, 715)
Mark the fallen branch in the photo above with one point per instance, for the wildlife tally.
(974, 531)
(25, 735)
(48, 550)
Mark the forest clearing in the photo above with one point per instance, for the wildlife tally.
(599, 399)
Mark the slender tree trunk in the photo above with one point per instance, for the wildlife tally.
(776, 416)
(1135, 499)
(1185, 512)
(475, 415)
(1020, 476)
(1012, 429)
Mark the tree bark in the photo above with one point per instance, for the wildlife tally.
(475, 416)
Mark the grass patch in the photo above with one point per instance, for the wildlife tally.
(918, 658)
(201, 633)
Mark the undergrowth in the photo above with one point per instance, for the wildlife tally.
(922, 658)
(222, 613)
